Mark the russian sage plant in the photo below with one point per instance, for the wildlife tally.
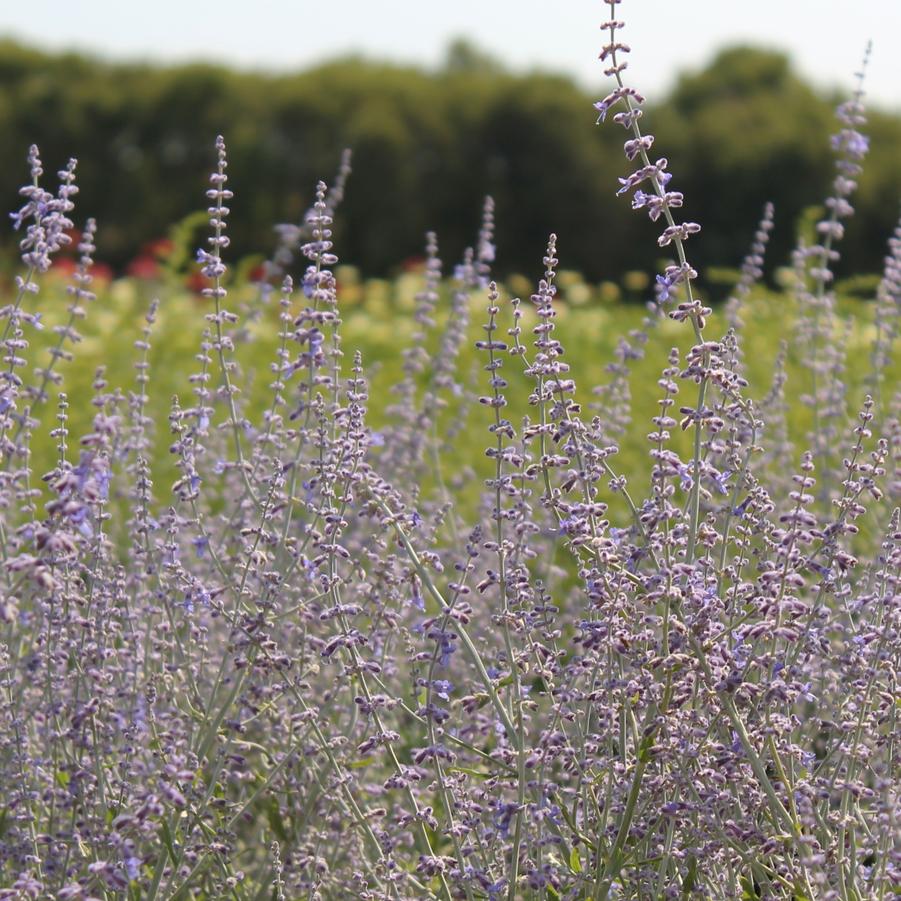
(309, 669)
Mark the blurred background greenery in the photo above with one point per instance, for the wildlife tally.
(377, 320)
(428, 145)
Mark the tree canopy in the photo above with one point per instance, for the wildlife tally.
(428, 145)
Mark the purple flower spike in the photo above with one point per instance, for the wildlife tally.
(653, 196)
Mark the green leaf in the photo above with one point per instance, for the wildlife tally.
(690, 876)
(276, 823)
(469, 772)
(575, 862)
(166, 836)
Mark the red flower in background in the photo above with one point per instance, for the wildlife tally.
(146, 264)
(143, 266)
(74, 235)
(413, 264)
(196, 281)
(63, 267)
(161, 248)
(102, 272)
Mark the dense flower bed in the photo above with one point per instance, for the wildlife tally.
(301, 672)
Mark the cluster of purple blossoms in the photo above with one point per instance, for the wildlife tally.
(211, 261)
(47, 228)
(46, 215)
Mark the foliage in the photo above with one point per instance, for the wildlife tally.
(744, 130)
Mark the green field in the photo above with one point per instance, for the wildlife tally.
(377, 320)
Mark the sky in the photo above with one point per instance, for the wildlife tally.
(825, 38)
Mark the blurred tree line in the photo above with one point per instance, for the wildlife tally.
(429, 145)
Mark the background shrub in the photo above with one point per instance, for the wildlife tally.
(742, 131)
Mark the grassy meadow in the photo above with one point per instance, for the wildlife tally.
(377, 320)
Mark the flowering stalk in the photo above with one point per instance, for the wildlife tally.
(659, 203)
(81, 294)
(816, 263)
(214, 268)
(45, 235)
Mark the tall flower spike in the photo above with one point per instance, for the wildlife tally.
(81, 295)
(486, 249)
(291, 235)
(658, 201)
(850, 147)
(48, 230)
(751, 268)
(888, 302)
(214, 268)
(211, 261)
(814, 266)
